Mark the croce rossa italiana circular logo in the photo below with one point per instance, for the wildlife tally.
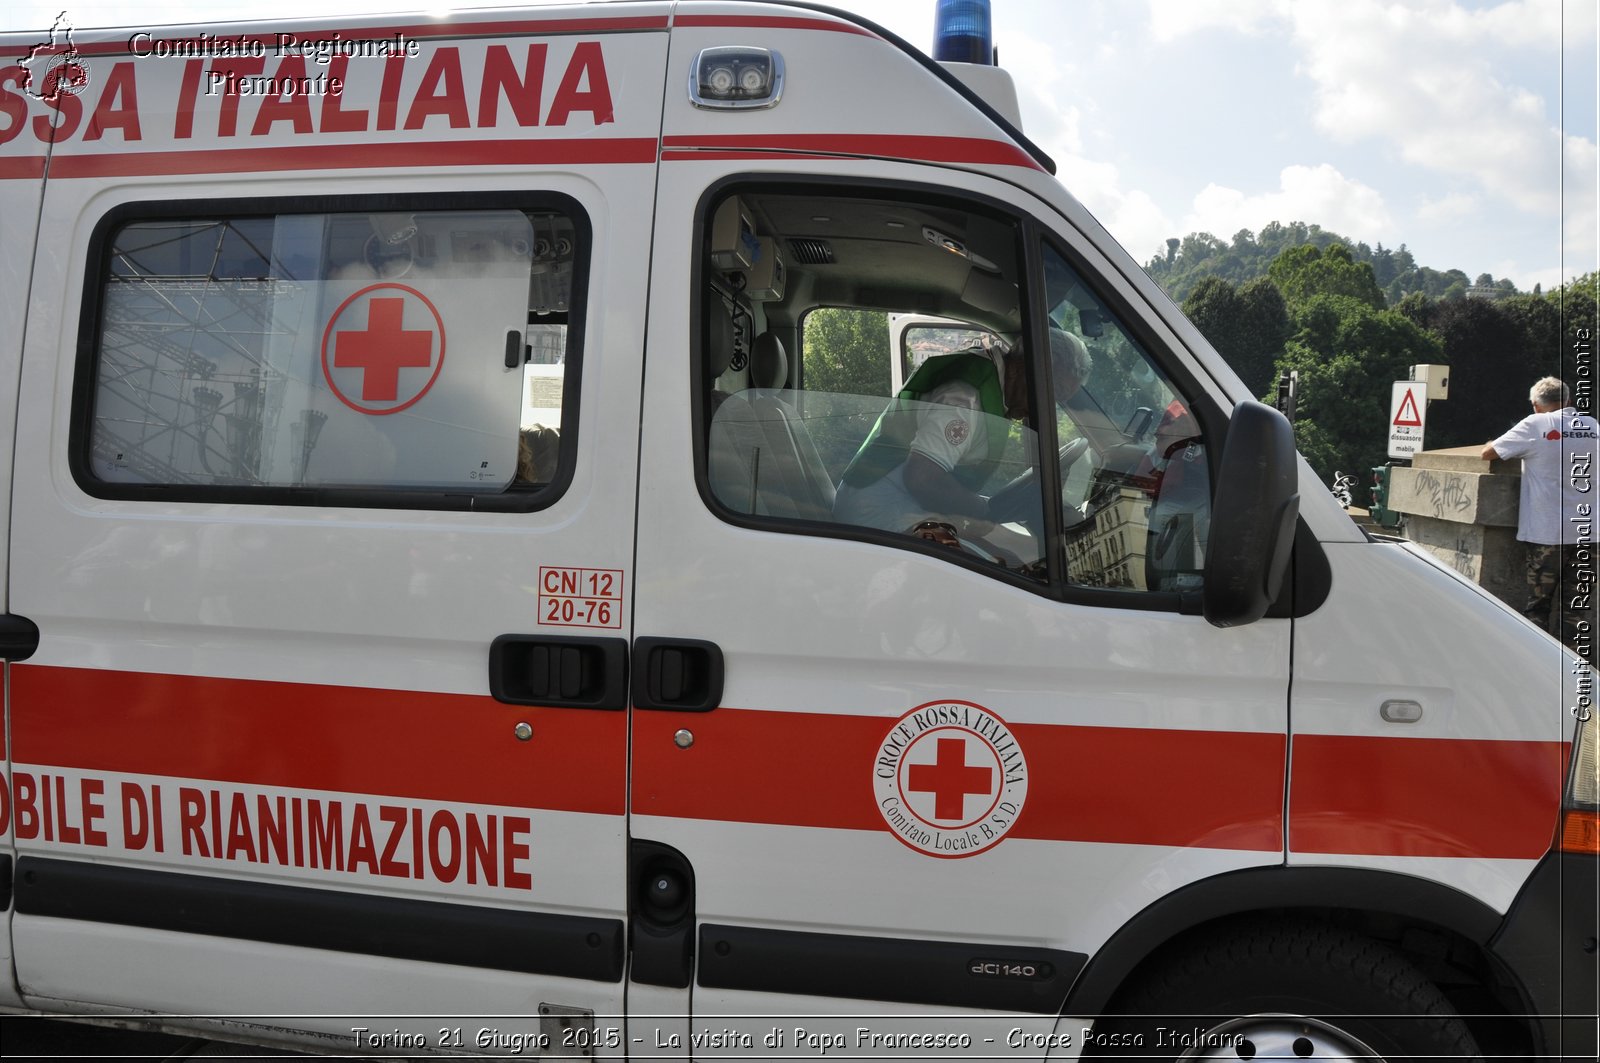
(950, 779)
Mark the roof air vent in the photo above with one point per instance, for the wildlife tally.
(811, 252)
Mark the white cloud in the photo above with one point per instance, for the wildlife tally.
(1427, 77)
(1135, 219)
(1420, 77)
(1512, 23)
(1453, 206)
(1171, 19)
(1580, 214)
(1050, 123)
(1131, 216)
(1317, 194)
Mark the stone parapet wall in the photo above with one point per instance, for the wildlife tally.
(1463, 510)
(1454, 491)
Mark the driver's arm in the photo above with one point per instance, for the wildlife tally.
(950, 427)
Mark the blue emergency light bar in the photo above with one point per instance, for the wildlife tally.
(961, 32)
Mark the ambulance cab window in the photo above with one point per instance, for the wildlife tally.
(886, 368)
(812, 413)
(1136, 492)
(358, 353)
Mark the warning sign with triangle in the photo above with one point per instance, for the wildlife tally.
(1408, 410)
(1408, 416)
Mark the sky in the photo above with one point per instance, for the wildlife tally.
(1463, 129)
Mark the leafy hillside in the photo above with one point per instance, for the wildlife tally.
(1352, 320)
(1248, 256)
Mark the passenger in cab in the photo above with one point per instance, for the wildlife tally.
(938, 443)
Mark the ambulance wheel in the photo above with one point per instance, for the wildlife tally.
(1283, 990)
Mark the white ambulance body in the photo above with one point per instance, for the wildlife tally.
(341, 712)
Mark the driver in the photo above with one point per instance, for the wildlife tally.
(941, 439)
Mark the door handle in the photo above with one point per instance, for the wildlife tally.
(677, 675)
(19, 637)
(559, 671)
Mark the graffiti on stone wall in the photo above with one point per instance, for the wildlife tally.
(1446, 494)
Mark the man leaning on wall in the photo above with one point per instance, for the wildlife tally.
(1555, 515)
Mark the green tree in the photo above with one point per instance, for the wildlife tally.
(1577, 299)
(1186, 262)
(1266, 331)
(1302, 273)
(1490, 363)
(846, 351)
(1248, 326)
(1348, 354)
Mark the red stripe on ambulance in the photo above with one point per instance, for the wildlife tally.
(816, 770)
(400, 743)
(524, 152)
(871, 145)
(1425, 796)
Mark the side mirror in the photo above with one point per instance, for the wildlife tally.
(1252, 517)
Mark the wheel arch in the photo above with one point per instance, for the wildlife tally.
(1402, 899)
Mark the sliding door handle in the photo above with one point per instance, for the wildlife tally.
(560, 672)
(677, 675)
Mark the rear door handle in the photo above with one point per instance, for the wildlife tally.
(19, 637)
(559, 671)
(677, 675)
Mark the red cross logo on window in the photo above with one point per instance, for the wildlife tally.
(950, 780)
(367, 348)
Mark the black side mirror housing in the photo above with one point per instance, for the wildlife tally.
(1253, 517)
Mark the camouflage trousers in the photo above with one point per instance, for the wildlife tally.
(1561, 598)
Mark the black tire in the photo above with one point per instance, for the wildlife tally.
(1282, 990)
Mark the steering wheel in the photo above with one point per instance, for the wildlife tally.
(1016, 499)
(935, 531)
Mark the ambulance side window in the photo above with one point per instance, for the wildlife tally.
(1136, 499)
(391, 357)
(838, 442)
(888, 367)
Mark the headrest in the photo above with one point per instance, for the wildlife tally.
(769, 366)
(1071, 355)
(719, 353)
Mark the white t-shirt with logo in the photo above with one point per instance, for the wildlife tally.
(951, 428)
(1558, 457)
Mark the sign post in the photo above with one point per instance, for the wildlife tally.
(1408, 408)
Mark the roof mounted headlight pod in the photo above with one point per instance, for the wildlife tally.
(736, 78)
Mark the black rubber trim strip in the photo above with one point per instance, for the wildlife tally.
(1274, 888)
(949, 973)
(428, 931)
(5, 882)
(1548, 940)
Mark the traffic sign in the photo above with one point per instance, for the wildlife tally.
(1408, 409)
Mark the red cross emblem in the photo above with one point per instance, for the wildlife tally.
(379, 348)
(950, 779)
(963, 766)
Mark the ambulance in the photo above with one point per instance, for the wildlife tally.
(433, 623)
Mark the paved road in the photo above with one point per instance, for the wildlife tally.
(24, 1038)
